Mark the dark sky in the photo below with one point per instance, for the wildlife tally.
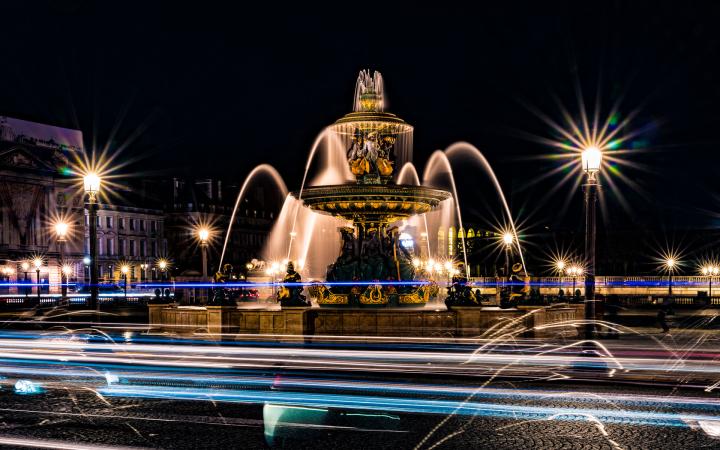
(216, 89)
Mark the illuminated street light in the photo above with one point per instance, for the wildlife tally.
(574, 271)
(124, 269)
(591, 159)
(37, 263)
(91, 184)
(203, 234)
(508, 240)
(670, 266)
(61, 231)
(710, 271)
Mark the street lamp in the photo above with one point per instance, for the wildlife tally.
(203, 235)
(91, 183)
(143, 268)
(670, 265)
(37, 263)
(61, 231)
(574, 271)
(508, 240)
(124, 269)
(591, 159)
(162, 265)
(710, 271)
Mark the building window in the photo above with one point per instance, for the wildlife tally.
(108, 222)
(121, 223)
(121, 247)
(110, 246)
(142, 225)
(132, 224)
(97, 222)
(154, 248)
(153, 226)
(132, 247)
(143, 248)
(100, 246)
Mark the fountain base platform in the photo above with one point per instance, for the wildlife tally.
(304, 323)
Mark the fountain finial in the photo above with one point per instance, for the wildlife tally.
(369, 92)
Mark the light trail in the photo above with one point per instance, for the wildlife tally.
(374, 374)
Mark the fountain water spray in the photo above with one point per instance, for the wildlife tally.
(471, 150)
(262, 168)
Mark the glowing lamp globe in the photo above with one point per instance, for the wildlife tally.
(560, 265)
(91, 183)
(125, 269)
(37, 262)
(61, 229)
(203, 234)
(25, 266)
(591, 160)
(508, 238)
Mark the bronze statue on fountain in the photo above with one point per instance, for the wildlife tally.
(459, 293)
(290, 293)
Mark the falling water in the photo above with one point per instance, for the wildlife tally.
(262, 168)
(441, 157)
(336, 171)
(460, 148)
(408, 175)
(297, 227)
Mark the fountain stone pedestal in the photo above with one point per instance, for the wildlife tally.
(305, 322)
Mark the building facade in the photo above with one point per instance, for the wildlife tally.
(38, 189)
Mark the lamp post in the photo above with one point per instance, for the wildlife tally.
(37, 263)
(203, 235)
(61, 231)
(508, 239)
(574, 271)
(162, 265)
(591, 161)
(670, 264)
(91, 183)
(143, 268)
(66, 270)
(710, 271)
(124, 269)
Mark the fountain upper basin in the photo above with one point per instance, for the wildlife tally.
(376, 203)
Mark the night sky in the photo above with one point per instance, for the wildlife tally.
(212, 90)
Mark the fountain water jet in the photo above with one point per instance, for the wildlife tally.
(336, 171)
(262, 168)
(409, 171)
(474, 152)
(439, 155)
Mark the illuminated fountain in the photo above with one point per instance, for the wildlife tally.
(372, 205)
(365, 193)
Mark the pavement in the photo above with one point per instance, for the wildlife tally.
(82, 418)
